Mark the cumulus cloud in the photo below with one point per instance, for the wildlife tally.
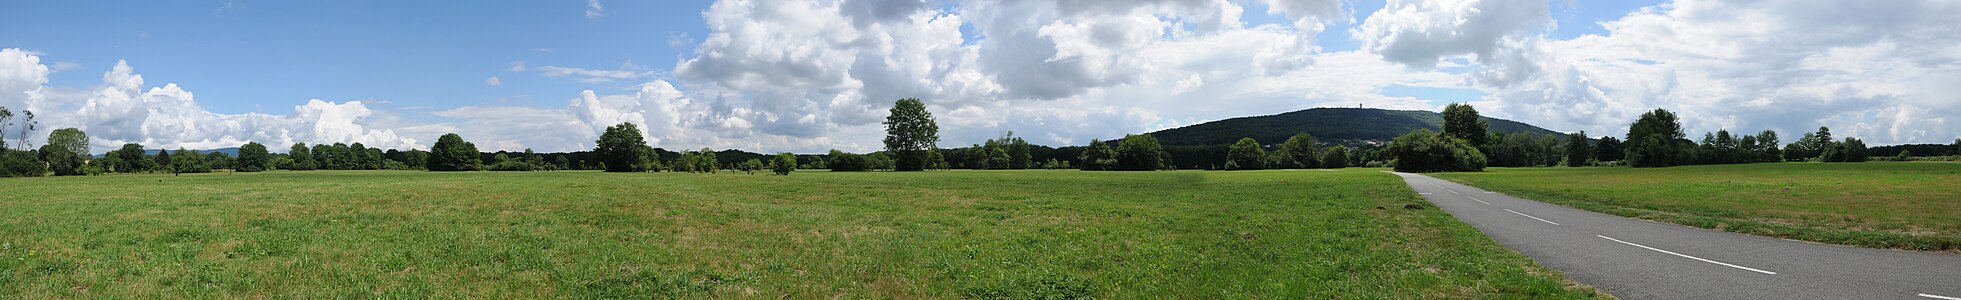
(1870, 70)
(1418, 33)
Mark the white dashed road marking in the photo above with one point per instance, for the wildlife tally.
(1530, 216)
(1699, 258)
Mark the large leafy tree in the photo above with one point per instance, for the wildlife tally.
(1297, 152)
(619, 148)
(1335, 157)
(1577, 149)
(452, 153)
(253, 157)
(1767, 147)
(1426, 151)
(1462, 121)
(785, 162)
(1141, 152)
(909, 132)
(130, 158)
(1245, 155)
(1098, 156)
(71, 140)
(1653, 140)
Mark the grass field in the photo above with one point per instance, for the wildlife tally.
(951, 234)
(1905, 205)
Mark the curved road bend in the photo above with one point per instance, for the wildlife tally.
(1638, 259)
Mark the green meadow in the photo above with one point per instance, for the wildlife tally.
(1905, 205)
(568, 234)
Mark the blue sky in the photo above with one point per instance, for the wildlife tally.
(812, 75)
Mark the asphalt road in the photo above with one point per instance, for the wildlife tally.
(1639, 259)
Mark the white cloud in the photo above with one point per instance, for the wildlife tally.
(517, 66)
(493, 81)
(593, 10)
(1418, 32)
(596, 76)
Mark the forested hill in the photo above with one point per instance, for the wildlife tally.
(1345, 125)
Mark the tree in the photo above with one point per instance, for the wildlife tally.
(1855, 150)
(301, 157)
(130, 158)
(1577, 149)
(253, 157)
(62, 161)
(21, 164)
(188, 161)
(1609, 149)
(1098, 156)
(1905, 155)
(1141, 152)
(1462, 121)
(219, 161)
(1426, 151)
(1653, 140)
(785, 162)
(69, 139)
(1245, 155)
(619, 146)
(26, 128)
(1767, 147)
(841, 161)
(1297, 152)
(909, 132)
(1335, 157)
(451, 153)
(162, 161)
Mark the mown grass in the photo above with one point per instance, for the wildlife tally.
(1903, 205)
(954, 234)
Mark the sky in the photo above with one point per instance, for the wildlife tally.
(809, 76)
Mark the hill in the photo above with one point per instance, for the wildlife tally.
(1340, 125)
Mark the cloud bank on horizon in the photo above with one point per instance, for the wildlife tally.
(807, 76)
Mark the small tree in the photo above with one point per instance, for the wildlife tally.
(1141, 152)
(451, 153)
(1245, 155)
(1299, 151)
(1905, 155)
(1577, 149)
(909, 132)
(301, 158)
(1855, 150)
(1335, 157)
(619, 148)
(1654, 140)
(1609, 149)
(1098, 156)
(785, 162)
(253, 157)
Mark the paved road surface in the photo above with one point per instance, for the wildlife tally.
(1638, 259)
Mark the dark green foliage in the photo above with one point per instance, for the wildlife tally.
(700, 161)
(1578, 149)
(253, 157)
(1141, 152)
(1333, 125)
(130, 159)
(1335, 157)
(841, 161)
(1766, 149)
(162, 162)
(451, 153)
(68, 139)
(1462, 121)
(187, 161)
(1299, 152)
(1656, 140)
(219, 161)
(619, 148)
(62, 161)
(785, 162)
(909, 132)
(299, 158)
(1246, 155)
(14, 163)
(1098, 156)
(1426, 151)
(1525, 150)
(1609, 149)
(1917, 149)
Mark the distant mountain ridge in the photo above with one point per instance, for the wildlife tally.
(1339, 125)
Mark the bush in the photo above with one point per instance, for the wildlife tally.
(1426, 151)
(21, 164)
(785, 162)
(513, 165)
(1141, 152)
(847, 162)
(1245, 155)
